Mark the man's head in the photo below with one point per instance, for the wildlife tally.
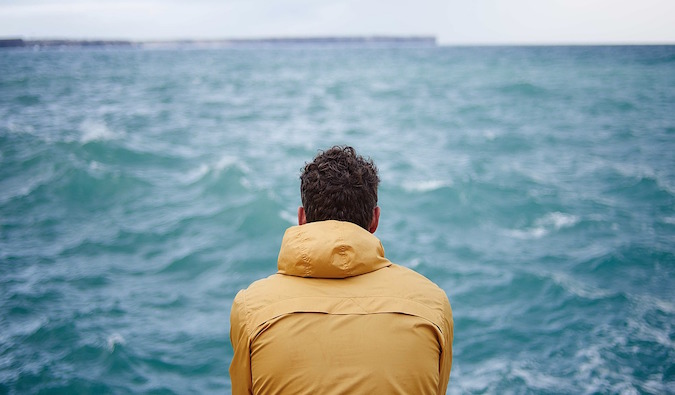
(340, 185)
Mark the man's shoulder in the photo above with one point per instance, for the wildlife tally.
(416, 280)
(260, 292)
(416, 287)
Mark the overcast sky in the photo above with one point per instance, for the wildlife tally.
(451, 21)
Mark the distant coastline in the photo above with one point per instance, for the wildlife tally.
(426, 41)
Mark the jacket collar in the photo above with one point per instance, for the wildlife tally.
(330, 249)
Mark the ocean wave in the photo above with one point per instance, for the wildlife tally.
(537, 380)
(581, 289)
(653, 302)
(114, 340)
(85, 188)
(481, 379)
(26, 183)
(543, 226)
(193, 262)
(97, 130)
(195, 174)
(641, 172)
(592, 368)
(596, 362)
(525, 89)
(27, 100)
(495, 374)
(215, 169)
(643, 331)
(426, 185)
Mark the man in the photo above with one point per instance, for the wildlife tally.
(338, 317)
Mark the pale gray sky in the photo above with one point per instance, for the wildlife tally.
(451, 21)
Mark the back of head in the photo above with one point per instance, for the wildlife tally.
(340, 185)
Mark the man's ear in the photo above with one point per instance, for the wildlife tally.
(302, 219)
(375, 221)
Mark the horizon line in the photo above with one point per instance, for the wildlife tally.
(428, 38)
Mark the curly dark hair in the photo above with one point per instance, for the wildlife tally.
(341, 185)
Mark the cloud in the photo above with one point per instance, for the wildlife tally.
(560, 21)
(452, 21)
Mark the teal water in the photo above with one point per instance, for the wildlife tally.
(141, 189)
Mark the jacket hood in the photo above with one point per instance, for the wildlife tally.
(330, 249)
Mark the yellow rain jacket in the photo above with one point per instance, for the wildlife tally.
(339, 318)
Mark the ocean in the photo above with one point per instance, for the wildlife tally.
(141, 189)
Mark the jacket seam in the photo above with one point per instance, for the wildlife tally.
(247, 314)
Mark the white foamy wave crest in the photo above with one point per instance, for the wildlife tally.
(114, 340)
(559, 220)
(544, 226)
(642, 172)
(227, 162)
(649, 301)
(591, 361)
(538, 380)
(489, 135)
(196, 174)
(534, 233)
(580, 289)
(224, 163)
(668, 220)
(479, 380)
(216, 168)
(425, 186)
(93, 130)
(648, 333)
(598, 376)
(25, 186)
